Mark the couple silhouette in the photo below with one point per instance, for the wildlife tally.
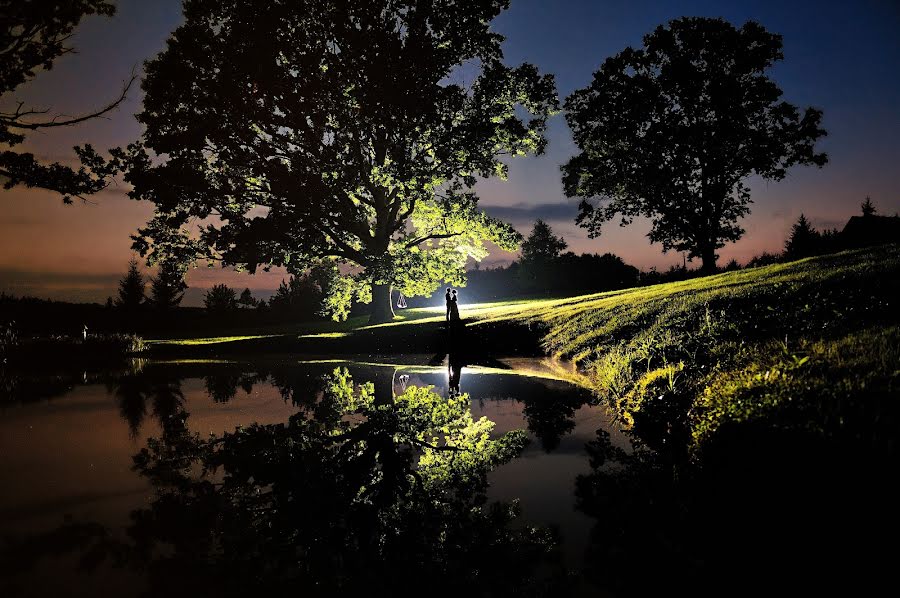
(452, 307)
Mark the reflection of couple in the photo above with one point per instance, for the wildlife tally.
(452, 306)
(455, 364)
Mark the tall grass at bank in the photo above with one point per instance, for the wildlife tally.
(813, 344)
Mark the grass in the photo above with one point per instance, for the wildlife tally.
(813, 342)
(215, 340)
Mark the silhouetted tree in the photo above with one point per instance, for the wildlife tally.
(348, 124)
(868, 208)
(830, 241)
(804, 240)
(671, 130)
(732, 266)
(246, 299)
(764, 259)
(220, 298)
(542, 245)
(131, 287)
(298, 297)
(168, 286)
(539, 251)
(32, 35)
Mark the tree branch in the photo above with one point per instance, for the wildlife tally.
(13, 122)
(428, 237)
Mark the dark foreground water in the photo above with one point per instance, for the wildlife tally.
(343, 475)
(341, 478)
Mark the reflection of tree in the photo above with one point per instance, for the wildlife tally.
(550, 417)
(548, 406)
(222, 387)
(356, 492)
(134, 392)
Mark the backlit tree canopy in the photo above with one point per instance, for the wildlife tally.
(348, 131)
(33, 34)
(671, 130)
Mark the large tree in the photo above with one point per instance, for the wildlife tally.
(672, 130)
(347, 131)
(33, 34)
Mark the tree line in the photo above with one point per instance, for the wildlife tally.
(336, 135)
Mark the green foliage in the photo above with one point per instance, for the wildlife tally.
(220, 298)
(345, 136)
(321, 291)
(338, 293)
(33, 34)
(131, 287)
(670, 132)
(701, 353)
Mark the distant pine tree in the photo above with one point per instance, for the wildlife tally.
(131, 287)
(868, 208)
(804, 240)
(167, 288)
(246, 299)
(542, 246)
(539, 253)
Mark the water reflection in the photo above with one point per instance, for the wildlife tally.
(375, 481)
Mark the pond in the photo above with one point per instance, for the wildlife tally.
(334, 477)
(215, 477)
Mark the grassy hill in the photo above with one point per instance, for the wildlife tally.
(817, 340)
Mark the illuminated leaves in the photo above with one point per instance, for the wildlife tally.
(316, 130)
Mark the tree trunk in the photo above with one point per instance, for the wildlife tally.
(382, 309)
(708, 255)
(384, 385)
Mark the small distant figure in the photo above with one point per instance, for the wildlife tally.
(84, 332)
(404, 381)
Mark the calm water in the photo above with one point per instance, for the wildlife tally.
(354, 474)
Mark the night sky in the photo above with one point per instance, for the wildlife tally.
(842, 57)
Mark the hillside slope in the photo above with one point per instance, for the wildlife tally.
(814, 341)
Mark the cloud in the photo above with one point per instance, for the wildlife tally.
(65, 286)
(10, 277)
(523, 213)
